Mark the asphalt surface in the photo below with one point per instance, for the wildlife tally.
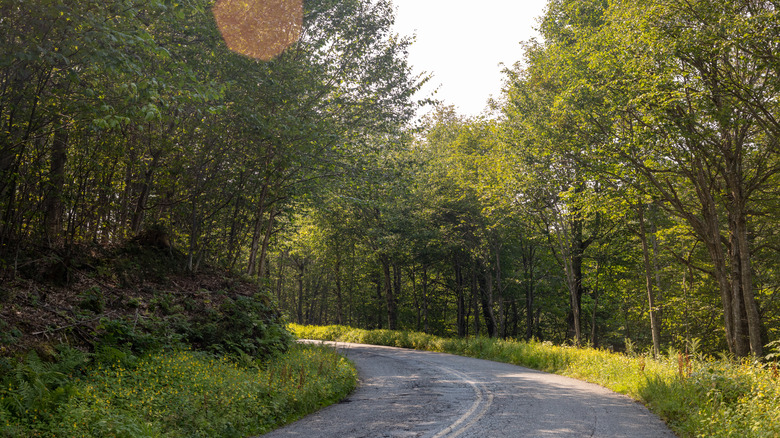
(408, 393)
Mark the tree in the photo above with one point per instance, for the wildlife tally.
(693, 130)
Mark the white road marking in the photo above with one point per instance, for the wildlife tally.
(457, 427)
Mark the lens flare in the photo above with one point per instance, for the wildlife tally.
(261, 29)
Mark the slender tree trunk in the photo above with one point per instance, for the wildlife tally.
(715, 247)
(9, 166)
(528, 268)
(143, 196)
(475, 297)
(575, 282)
(339, 301)
(194, 235)
(397, 292)
(351, 288)
(392, 316)
(121, 229)
(751, 307)
(280, 278)
(233, 248)
(487, 304)
(593, 339)
(659, 296)
(380, 314)
(258, 225)
(301, 268)
(742, 270)
(54, 205)
(323, 317)
(654, 327)
(500, 292)
(426, 328)
(266, 240)
(487, 299)
(416, 298)
(7, 223)
(459, 296)
(515, 312)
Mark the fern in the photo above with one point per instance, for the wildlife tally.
(773, 346)
(39, 386)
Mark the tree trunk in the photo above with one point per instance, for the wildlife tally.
(593, 340)
(475, 297)
(529, 281)
(712, 239)
(258, 224)
(654, 327)
(392, 317)
(487, 304)
(339, 301)
(459, 297)
(280, 278)
(194, 235)
(233, 246)
(53, 203)
(574, 280)
(500, 292)
(301, 268)
(397, 283)
(379, 314)
(121, 229)
(143, 196)
(416, 298)
(425, 298)
(266, 240)
(741, 258)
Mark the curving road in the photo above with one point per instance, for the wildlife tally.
(409, 393)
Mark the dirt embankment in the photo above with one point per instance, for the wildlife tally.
(136, 296)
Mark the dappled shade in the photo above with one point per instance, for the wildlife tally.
(260, 29)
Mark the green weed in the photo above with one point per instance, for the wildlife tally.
(177, 394)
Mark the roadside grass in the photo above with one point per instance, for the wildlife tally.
(696, 395)
(180, 393)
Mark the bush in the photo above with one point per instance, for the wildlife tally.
(244, 324)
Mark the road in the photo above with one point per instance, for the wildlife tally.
(409, 393)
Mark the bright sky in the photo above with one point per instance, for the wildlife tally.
(463, 42)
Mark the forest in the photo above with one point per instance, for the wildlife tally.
(621, 192)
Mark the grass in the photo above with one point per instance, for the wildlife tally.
(696, 395)
(180, 393)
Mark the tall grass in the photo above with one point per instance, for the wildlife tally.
(696, 395)
(187, 393)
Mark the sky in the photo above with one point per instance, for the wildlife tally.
(462, 43)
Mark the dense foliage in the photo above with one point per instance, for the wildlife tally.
(623, 190)
(143, 168)
(120, 116)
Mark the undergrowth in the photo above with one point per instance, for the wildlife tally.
(125, 342)
(167, 394)
(696, 395)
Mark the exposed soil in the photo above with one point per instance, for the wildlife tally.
(48, 297)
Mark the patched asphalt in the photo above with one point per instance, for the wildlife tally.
(409, 393)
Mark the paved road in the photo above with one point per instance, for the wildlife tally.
(408, 393)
